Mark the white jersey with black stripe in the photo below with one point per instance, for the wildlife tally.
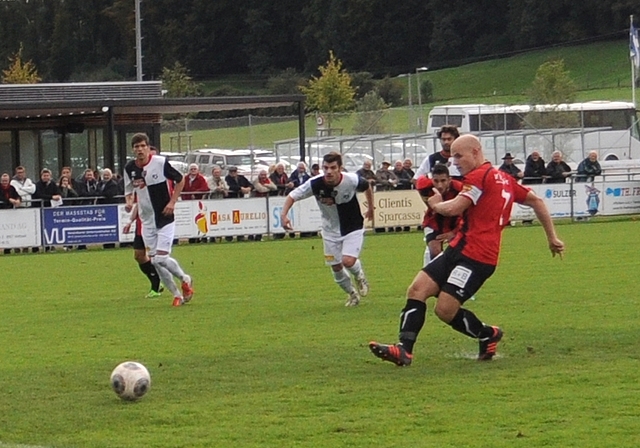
(153, 185)
(338, 204)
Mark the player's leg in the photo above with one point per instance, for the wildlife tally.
(150, 236)
(163, 255)
(333, 257)
(351, 247)
(412, 318)
(145, 265)
(463, 282)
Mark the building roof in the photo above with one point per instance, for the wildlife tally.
(132, 98)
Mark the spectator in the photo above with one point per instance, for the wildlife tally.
(9, 197)
(239, 186)
(67, 171)
(315, 170)
(407, 164)
(217, 185)
(107, 188)
(263, 186)
(194, 181)
(299, 176)
(385, 179)
(403, 176)
(88, 186)
(367, 173)
(46, 190)
(23, 185)
(281, 180)
(557, 169)
(510, 168)
(534, 169)
(66, 190)
(589, 168)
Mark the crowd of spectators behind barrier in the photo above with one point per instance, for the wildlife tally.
(94, 187)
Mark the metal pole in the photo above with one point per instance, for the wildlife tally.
(419, 100)
(138, 43)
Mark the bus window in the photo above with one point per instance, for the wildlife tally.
(440, 120)
(615, 119)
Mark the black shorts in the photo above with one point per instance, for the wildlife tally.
(458, 275)
(138, 243)
(431, 236)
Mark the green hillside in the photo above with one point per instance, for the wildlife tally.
(601, 71)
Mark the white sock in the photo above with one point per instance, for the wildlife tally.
(356, 269)
(343, 279)
(427, 256)
(172, 266)
(167, 280)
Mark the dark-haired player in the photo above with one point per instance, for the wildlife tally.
(438, 229)
(156, 186)
(342, 221)
(471, 258)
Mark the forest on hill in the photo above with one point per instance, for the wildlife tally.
(94, 40)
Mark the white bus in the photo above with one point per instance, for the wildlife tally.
(609, 127)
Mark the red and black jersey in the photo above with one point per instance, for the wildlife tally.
(436, 221)
(492, 194)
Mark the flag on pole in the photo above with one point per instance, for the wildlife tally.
(634, 47)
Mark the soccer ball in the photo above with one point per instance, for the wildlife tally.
(130, 380)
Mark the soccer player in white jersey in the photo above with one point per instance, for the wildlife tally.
(156, 187)
(342, 221)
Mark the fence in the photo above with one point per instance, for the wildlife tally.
(103, 224)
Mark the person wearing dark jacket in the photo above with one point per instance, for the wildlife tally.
(107, 188)
(299, 176)
(239, 186)
(46, 189)
(403, 176)
(557, 169)
(88, 186)
(534, 169)
(510, 168)
(589, 168)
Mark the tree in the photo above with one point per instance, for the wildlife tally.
(553, 85)
(20, 72)
(177, 82)
(332, 92)
(370, 110)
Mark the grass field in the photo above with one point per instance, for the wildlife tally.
(266, 355)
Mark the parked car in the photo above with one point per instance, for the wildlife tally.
(207, 158)
(177, 160)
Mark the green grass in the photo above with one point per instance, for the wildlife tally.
(267, 355)
(601, 71)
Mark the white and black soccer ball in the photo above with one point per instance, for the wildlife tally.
(130, 380)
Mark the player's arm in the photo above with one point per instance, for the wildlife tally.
(132, 218)
(452, 207)
(284, 216)
(542, 213)
(173, 174)
(128, 191)
(365, 187)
